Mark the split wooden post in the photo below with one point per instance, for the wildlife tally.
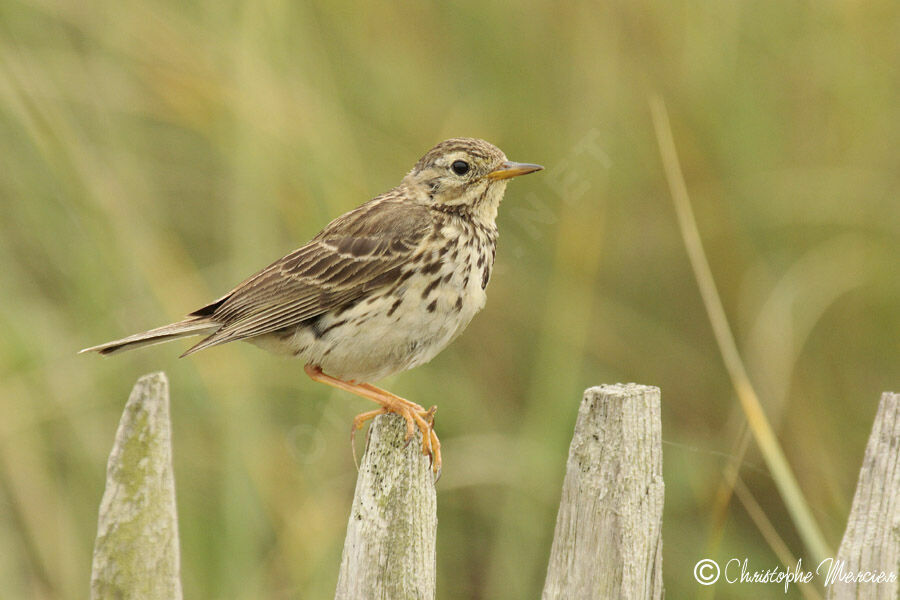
(136, 553)
(872, 539)
(389, 551)
(608, 539)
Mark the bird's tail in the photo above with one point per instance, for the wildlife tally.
(190, 326)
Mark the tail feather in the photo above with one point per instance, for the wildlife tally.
(184, 328)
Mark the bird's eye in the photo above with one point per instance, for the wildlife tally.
(460, 167)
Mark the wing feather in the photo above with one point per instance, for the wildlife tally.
(361, 251)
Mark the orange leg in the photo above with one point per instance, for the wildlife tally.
(414, 414)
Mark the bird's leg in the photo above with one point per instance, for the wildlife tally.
(414, 414)
(431, 445)
(428, 415)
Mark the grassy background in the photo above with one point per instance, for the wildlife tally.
(155, 153)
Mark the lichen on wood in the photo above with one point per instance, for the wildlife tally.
(389, 550)
(136, 554)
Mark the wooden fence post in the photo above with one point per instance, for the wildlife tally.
(136, 553)
(872, 538)
(608, 539)
(389, 551)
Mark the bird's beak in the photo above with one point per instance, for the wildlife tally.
(513, 169)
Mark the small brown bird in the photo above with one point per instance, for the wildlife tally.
(380, 290)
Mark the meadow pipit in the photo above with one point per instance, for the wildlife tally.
(381, 289)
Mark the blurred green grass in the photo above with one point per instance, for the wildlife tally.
(154, 153)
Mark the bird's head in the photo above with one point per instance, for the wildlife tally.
(464, 175)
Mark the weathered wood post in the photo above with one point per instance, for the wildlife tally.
(608, 540)
(136, 553)
(389, 551)
(872, 538)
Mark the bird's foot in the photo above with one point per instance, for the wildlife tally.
(415, 417)
(414, 414)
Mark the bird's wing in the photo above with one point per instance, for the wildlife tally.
(361, 251)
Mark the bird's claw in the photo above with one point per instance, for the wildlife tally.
(415, 417)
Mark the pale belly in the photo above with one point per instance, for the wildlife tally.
(389, 333)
